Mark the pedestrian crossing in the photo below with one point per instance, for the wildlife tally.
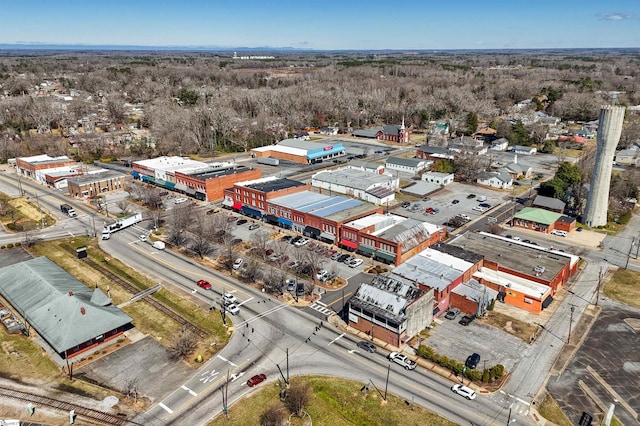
(321, 307)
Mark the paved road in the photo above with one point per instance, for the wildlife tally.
(269, 328)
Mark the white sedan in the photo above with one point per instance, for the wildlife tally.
(355, 263)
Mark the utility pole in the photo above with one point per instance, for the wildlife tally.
(509, 417)
(633, 241)
(287, 365)
(599, 283)
(93, 219)
(386, 385)
(570, 322)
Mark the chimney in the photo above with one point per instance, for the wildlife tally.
(70, 293)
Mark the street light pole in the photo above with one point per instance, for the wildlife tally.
(633, 241)
(570, 322)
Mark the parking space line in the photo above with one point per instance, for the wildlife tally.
(169, 410)
(189, 390)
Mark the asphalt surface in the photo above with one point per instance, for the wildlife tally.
(611, 349)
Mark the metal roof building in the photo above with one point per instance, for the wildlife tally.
(66, 313)
(372, 187)
(301, 151)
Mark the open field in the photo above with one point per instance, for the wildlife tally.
(335, 402)
(18, 214)
(623, 287)
(550, 410)
(510, 325)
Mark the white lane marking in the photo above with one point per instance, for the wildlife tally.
(209, 376)
(235, 376)
(169, 410)
(334, 340)
(242, 303)
(226, 360)
(265, 313)
(189, 390)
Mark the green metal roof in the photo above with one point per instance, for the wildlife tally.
(63, 310)
(542, 216)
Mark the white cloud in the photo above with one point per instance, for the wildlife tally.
(616, 16)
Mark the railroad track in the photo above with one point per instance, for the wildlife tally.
(100, 417)
(153, 302)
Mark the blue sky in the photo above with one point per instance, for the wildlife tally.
(328, 24)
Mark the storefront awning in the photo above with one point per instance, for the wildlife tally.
(169, 185)
(135, 175)
(251, 211)
(148, 179)
(181, 186)
(237, 206)
(310, 231)
(349, 243)
(386, 256)
(366, 249)
(227, 202)
(190, 191)
(284, 221)
(546, 302)
(271, 218)
(160, 182)
(327, 236)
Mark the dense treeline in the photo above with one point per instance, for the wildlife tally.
(204, 102)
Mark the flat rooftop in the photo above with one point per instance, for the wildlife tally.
(508, 254)
(173, 164)
(522, 285)
(427, 272)
(96, 177)
(336, 208)
(270, 185)
(213, 174)
(44, 158)
(352, 178)
(446, 259)
(377, 220)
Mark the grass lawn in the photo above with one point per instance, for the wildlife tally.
(512, 326)
(623, 286)
(19, 213)
(335, 402)
(550, 410)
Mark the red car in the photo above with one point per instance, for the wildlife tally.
(256, 380)
(204, 284)
(429, 210)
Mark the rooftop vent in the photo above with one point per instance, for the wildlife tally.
(70, 293)
(83, 310)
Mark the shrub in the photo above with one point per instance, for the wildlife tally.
(18, 244)
(486, 376)
(492, 305)
(3, 247)
(10, 245)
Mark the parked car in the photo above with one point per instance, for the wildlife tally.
(343, 257)
(232, 309)
(455, 201)
(452, 313)
(335, 256)
(204, 284)
(228, 298)
(470, 196)
(429, 210)
(472, 361)
(328, 277)
(143, 238)
(253, 226)
(287, 238)
(485, 205)
(291, 284)
(406, 204)
(579, 229)
(559, 233)
(463, 216)
(241, 222)
(403, 360)
(256, 380)
(435, 211)
(295, 239)
(237, 264)
(466, 320)
(464, 391)
(293, 265)
(301, 242)
(231, 219)
(526, 241)
(479, 209)
(348, 259)
(180, 200)
(516, 238)
(508, 236)
(367, 346)
(321, 274)
(355, 263)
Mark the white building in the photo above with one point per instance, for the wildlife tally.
(372, 187)
(495, 180)
(499, 144)
(407, 165)
(438, 178)
(525, 150)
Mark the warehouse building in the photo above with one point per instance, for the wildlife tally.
(301, 151)
(71, 317)
(251, 197)
(29, 166)
(371, 187)
(94, 184)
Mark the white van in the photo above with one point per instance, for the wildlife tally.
(106, 235)
(158, 245)
(481, 198)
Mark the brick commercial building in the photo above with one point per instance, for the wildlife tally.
(27, 166)
(94, 184)
(203, 181)
(389, 132)
(390, 310)
(251, 197)
(543, 220)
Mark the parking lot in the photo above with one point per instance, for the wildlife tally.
(443, 201)
(456, 341)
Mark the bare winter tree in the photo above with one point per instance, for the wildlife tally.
(250, 272)
(273, 281)
(274, 415)
(183, 345)
(298, 396)
(131, 387)
(201, 231)
(123, 205)
(223, 225)
(260, 241)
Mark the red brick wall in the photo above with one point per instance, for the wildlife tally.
(31, 168)
(379, 332)
(215, 187)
